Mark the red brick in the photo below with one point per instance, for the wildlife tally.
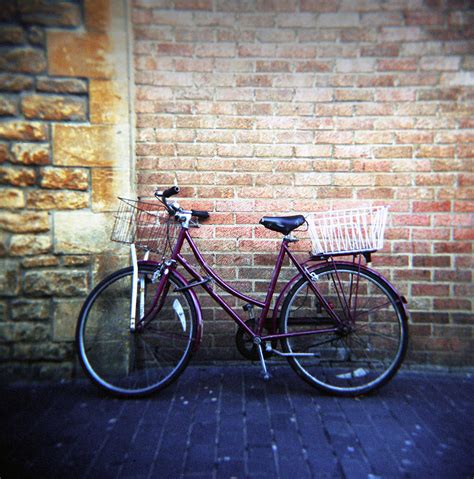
(356, 151)
(395, 94)
(412, 220)
(314, 66)
(319, 6)
(353, 95)
(435, 179)
(215, 50)
(451, 304)
(455, 137)
(303, 51)
(435, 151)
(405, 64)
(459, 220)
(453, 247)
(380, 80)
(175, 49)
(432, 261)
(431, 234)
(464, 206)
(359, 123)
(193, 4)
(414, 137)
(423, 17)
(254, 80)
(393, 152)
(439, 63)
(387, 50)
(272, 66)
(257, 50)
(154, 149)
(430, 290)
(464, 234)
(431, 206)
(296, 165)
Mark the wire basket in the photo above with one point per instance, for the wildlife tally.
(147, 225)
(347, 231)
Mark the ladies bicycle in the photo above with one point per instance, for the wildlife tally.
(342, 326)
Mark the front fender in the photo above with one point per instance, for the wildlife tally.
(195, 300)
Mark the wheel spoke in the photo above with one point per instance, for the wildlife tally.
(379, 335)
(361, 356)
(134, 363)
(371, 310)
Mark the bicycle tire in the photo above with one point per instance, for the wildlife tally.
(134, 364)
(360, 359)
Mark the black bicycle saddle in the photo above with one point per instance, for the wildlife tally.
(282, 224)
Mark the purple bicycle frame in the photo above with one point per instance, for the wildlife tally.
(176, 257)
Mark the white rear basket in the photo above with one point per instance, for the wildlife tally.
(347, 231)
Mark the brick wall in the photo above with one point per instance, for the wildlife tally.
(259, 107)
(64, 155)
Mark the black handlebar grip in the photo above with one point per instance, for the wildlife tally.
(174, 190)
(200, 214)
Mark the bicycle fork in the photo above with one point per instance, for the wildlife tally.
(136, 283)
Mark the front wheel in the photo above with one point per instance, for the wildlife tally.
(359, 357)
(135, 363)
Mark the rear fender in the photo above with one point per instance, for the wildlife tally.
(195, 300)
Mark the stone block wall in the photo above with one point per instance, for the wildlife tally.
(259, 107)
(64, 156)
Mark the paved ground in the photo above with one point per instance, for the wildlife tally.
(226, 422)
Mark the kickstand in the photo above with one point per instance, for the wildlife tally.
(266, 374)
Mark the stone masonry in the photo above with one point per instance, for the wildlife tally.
(64, 156)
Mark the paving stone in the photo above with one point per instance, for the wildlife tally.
(423, 427)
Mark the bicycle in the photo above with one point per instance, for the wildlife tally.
(342, 327)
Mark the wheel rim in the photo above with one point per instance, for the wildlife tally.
(362, 355)
(137, 362)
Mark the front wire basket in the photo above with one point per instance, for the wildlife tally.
(347, 231)
(147, 225)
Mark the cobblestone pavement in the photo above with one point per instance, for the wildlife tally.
(226, 422)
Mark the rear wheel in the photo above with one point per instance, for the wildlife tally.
(135, 363)
(359, 357)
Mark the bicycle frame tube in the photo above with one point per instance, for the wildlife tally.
(176, 256)
(213, 274)
(184, 234)
(303, 272)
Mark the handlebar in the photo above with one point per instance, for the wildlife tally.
(173, 208)
(174, 190)
(200, 214)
